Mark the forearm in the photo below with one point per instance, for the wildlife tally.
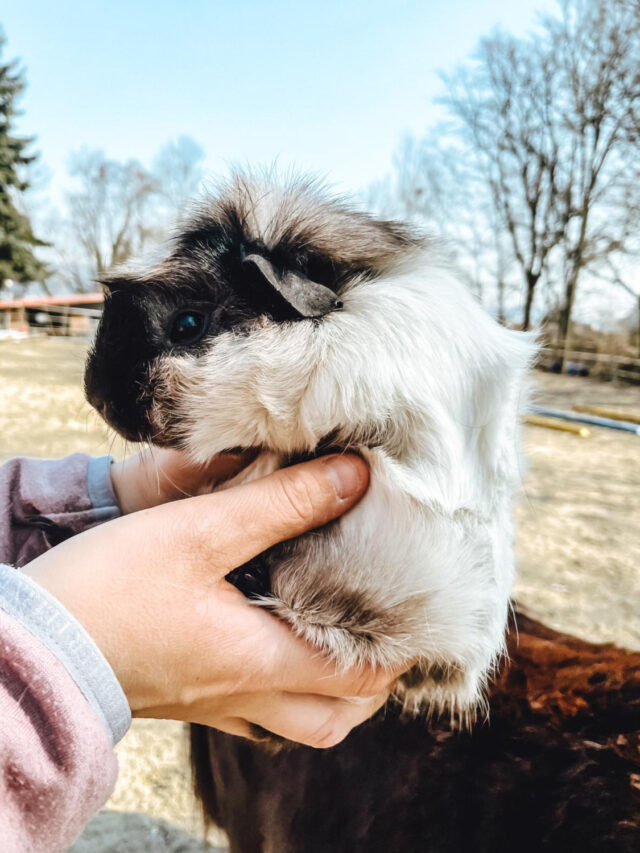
(61, 711)
(44, 501)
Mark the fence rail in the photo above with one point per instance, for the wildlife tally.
(70, 311)
(607, 365)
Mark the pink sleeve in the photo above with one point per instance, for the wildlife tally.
(57, 764)
(43, 501)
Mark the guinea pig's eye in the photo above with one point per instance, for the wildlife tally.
(187, 327)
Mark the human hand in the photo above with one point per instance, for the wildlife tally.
(184, 643)
(157, 475)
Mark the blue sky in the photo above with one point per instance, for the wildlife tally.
(329, 87)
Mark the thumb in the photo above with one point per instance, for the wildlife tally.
(252, 517)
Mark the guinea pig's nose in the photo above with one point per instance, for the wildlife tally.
(102, 407)
(117, 419)
(95, 400)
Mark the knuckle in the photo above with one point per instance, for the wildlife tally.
(330, 733)
(296, 497)
(371, 682)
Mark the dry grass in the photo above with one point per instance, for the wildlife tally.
(578, 540)
(42, 409)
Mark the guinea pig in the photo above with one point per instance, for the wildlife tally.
(286, 320)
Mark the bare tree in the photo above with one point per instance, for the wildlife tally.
(597, 47)
(178, 171)
(109, 216)
(118, 210)
(614, 276)
(542, 148)
(443, 191)
(502, 104)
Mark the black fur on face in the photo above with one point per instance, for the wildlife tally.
(254, 251)
(136, 330)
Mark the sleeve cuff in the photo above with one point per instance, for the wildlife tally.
(100, 489)
(60, 632)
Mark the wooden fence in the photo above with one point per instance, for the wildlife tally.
(602, 365)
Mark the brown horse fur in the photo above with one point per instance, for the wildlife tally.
(555, 768)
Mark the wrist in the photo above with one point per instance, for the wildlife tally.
(124, 481)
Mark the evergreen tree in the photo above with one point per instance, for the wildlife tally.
(17, 240)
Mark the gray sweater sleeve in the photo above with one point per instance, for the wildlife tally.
(60, 632)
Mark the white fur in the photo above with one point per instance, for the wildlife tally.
(434, 388)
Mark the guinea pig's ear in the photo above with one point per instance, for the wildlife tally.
(297, 295)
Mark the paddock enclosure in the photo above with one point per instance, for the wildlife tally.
(578, 548)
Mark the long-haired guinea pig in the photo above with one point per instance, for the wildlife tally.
(285, 320)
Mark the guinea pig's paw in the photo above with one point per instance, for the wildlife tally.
(348, 625)
(252, 578)
(443, 689)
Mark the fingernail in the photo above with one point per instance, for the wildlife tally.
(346, 475)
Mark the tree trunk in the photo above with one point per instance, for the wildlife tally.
(531, 280)
(572, 281)
(567, 308)
(565, 315)
(501, 314)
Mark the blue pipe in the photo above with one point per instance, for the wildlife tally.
(594, 420)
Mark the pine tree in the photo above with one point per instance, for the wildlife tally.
(17, 240)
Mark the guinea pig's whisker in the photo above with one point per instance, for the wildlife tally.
(156, 466)
(112, 441)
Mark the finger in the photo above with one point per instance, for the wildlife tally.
(174, 472)
(157, 475)
(300, 669)
(223, 467)
(244, 521)
(288, 663)
(315, 721)
(280, 660)
(239, 727)
(230, 725)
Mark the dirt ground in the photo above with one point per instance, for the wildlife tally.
(578, 547)
(578, 540)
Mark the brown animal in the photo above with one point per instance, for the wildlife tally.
(556, 768)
